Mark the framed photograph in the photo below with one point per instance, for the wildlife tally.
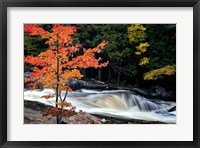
(99, 74)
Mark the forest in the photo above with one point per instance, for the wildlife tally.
(99, 73)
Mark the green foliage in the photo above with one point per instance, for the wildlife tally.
(119, 50)
(162, 38)
(160, 42)
(34, 45)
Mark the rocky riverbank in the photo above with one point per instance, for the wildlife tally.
(33, 114)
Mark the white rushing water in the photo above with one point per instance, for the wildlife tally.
(121, 104)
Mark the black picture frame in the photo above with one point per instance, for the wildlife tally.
(4, 4)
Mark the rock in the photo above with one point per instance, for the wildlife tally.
(103, 120)
(160, 92)
(35, 117)
(172, 95)
(172, 109)
(33, 114)
(142, 92)
(34, 105)
(112, 120)
(81, 118)
(92, 84)
(99, 85)
(27, 75)
(97, 81)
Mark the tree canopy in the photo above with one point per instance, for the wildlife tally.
(136, 52)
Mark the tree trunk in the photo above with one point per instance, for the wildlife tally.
(137, 77)
(118, 78)
(99, 74)
(57, 85)
(84, 73)
(109, 73)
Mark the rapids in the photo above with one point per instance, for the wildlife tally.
(121, 104)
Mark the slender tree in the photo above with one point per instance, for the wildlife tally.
(60, 63)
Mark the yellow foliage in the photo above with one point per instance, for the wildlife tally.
(142, 47)
(144, 61)
(138, 53)
(136, 33)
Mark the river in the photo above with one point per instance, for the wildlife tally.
(121, 104)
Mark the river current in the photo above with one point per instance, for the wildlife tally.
(122, 104)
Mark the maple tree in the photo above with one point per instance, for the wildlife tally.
(60, 63)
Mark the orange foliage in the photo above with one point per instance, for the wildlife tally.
(157, 73)
(61, 49)
(59, 112)
(60, 63)
(48, 96)
(64, 104)
(70, 111)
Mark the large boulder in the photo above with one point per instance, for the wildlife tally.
(92, 84)
(160, 93)
(33, 114)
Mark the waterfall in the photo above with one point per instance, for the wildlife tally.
(122, 104)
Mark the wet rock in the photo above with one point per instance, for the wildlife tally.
(33, 114)
(34, 105)
(172, 109)
(161, 93)
(79, 84)
(103, 120)
(35, 117)
(27, 75)
(97, 81)
(81, 118)
(139, 91)
(111, 120)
